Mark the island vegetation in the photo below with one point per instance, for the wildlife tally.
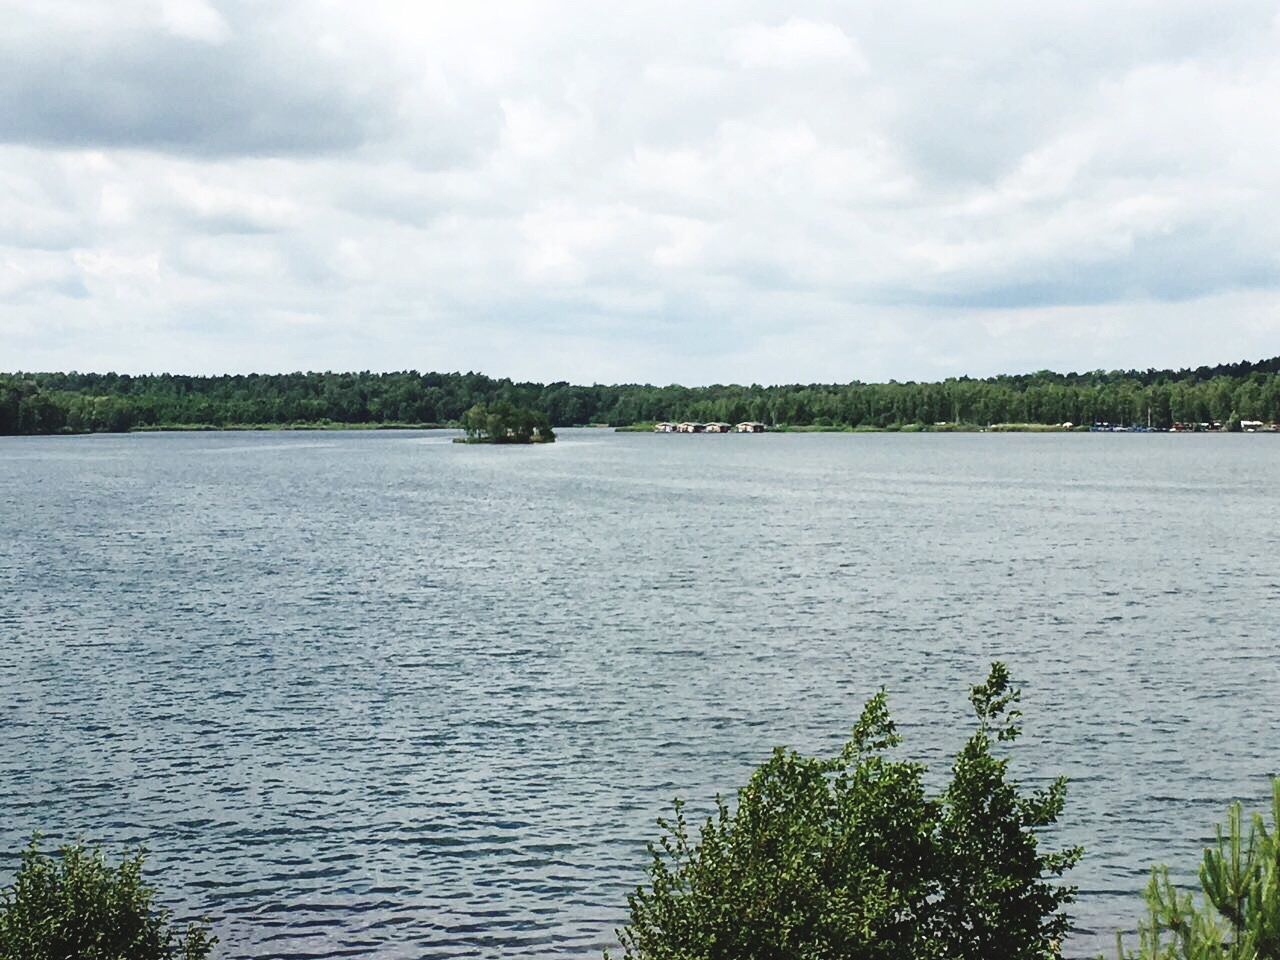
(43, 403)
(504, 423)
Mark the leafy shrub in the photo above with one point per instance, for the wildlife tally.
(79, 907)
(849, 857)
(1238, 915)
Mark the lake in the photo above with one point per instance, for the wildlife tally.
(380, 695)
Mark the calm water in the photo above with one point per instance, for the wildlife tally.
(381, 695)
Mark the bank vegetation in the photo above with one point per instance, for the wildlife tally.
(42, 403)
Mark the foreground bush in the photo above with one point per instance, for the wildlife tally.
(849, 857)
(79, 907)
(1238, 914)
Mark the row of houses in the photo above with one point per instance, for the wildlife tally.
(747, 426)
(1247, 426)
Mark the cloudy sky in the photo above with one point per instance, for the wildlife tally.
(656, 191)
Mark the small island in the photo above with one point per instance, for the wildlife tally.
(504, 423)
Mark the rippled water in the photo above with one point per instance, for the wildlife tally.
(380, 695)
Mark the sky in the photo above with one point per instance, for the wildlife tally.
(692, 192)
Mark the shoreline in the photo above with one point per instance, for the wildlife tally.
(934, 428)
(335, 426)
(301, 425)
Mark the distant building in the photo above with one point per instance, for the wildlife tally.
(750, 426)
(664, 427)
(718, 427)
(690, 426)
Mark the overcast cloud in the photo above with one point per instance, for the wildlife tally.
(693, 192)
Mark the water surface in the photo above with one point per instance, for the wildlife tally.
(379, 695)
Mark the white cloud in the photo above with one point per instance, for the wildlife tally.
(704, 192)
(795, 43)
(194, 20)
(224, 208)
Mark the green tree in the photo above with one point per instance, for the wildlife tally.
(849, 857)
(504, 423)
(76, 906)
(475, 422)
(995, 899)
(1238, 914)
(73, 402)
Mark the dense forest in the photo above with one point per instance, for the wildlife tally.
(33, 403)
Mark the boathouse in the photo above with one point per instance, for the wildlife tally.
(691, 427)
(750, 426)
(718, 427)
(664, 427)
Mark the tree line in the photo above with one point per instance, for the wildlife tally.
(34, 403)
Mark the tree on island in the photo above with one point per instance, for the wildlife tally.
(504, 423)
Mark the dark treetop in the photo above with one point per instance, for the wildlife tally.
(89, 402)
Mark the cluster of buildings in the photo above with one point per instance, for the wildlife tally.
(747, 426)
(1246, 426)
